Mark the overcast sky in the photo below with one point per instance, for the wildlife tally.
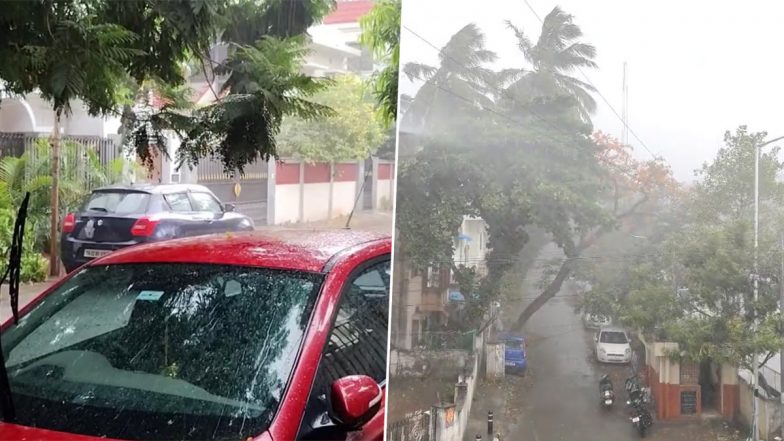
(695, 68)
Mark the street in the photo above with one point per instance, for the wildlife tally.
(558, 397)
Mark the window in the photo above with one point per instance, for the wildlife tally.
(178, 202)
(613, 337)
(205, 202)
(189, 351)
(432, 277)
(357, 344)
(117, 202)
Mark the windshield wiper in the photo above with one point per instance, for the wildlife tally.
(13, 270)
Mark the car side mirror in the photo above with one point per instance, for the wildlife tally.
(596, 337)
(229, 207)
(354, 400)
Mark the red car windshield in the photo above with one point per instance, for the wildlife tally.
(160, 351)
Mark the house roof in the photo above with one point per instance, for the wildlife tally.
(348, 11)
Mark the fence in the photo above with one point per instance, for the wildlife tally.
(445, 421)
(414, 426)
(16, 144)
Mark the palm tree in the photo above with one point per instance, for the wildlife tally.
(461, 80)
(553, 60)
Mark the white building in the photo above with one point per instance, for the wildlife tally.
(425, 300)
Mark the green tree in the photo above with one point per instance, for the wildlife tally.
(350, 133)
(32, 172)
(99, 52)
(460, 82)
(695, 288)
(381, 33)
(556, 54)
(257, 85)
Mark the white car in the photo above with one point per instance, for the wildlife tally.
(613, 345)
(596, 321)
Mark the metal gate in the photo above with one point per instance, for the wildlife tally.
(414, 427)
(367, 186)
(247, 192)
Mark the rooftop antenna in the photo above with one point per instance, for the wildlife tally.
(625, 110)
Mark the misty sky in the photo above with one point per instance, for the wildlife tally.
(695, 68)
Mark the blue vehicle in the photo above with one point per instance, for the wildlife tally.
(515, 353)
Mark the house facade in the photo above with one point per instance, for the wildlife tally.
(425, 300)
(684, 390)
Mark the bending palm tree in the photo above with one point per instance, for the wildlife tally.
(556, 55)
(460, 81)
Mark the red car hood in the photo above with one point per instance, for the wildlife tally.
(24, 433)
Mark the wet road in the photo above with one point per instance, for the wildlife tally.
(557, 400)
(560, 400)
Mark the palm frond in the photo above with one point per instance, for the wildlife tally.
(419, 71)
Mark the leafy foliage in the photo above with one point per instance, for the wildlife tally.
(260, 83)
(695, 287)
(34, 265)
(32, 172)
(350, 132)
(381, 33)
(515, 147)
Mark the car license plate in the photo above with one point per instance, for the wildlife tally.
(608, 402)
(636, 419)
(96, 253)
(510, 363)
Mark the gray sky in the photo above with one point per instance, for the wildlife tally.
(695, 68)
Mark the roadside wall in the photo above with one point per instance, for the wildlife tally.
(314, 192)
(451, 419)
(385, 185)
(420, 364)
(768, 410)
(309, 192)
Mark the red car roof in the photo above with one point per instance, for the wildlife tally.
(299, 250)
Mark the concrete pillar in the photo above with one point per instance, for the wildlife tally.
(272, 167)
(302, 192)
(445, 423)
(360, 181)
(331, 189)
(461, 391)
(495, 360)
(374, 204)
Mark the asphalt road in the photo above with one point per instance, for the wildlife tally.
(558, 399)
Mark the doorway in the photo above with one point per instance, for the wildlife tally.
(709, 379)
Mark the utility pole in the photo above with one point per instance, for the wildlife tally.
(755, 323)
(625, 110)
(781, 353)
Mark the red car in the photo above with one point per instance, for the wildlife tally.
(248, 336)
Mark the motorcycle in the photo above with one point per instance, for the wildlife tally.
(640, 416)
(606, 392)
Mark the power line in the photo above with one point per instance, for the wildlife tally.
(598, 92)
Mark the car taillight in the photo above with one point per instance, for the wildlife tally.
(69, 223)
(144, 227)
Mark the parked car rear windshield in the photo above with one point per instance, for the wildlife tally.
(160, 351)
(613, 337)
(117, 202)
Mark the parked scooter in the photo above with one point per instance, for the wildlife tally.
(606, 392)
(640, 416)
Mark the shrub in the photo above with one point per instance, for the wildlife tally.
(34, 265)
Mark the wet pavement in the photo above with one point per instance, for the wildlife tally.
(558, 398)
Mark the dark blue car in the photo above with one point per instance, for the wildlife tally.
(515, 354)
(123, 215)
